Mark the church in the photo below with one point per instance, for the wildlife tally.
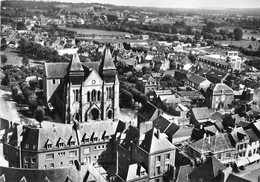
(83, 91)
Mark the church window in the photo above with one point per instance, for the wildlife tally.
(99, 95)
(77, 95)
(109, 92)
(53, 81)
(88, 96)
(93, 95)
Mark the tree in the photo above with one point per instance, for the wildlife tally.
(238, 33)
(25, 61)
(39, 115)
(126, 98)
(3, 59)
(32, 102)
(20, 26)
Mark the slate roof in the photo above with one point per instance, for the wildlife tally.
(196, 79)
(252, 135)
(216, 74)
(147, 111)
(171, 129)
(75, 64)
(191, 94)
(208, 171)
(161, 123)
(201, 113)
(214, 144)
(238, 134)
(56, 70)
(153, 144)
(233, 178)
(183, 173)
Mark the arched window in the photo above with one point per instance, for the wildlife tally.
(99, 95)
(88, 95)
(77, 95)
(93, 95)
(109, 114)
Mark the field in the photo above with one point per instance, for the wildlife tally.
(241, 43)
(246, 32)
(95, 32)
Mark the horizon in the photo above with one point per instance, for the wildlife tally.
(185, 4)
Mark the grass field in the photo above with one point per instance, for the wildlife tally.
(95, 31)
(242, 43)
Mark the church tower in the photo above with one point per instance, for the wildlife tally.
(107, 71)
(75, 78)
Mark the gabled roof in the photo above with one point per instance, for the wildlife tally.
(208, 171)
(196, 79)
(201, 113)
(2, 178)
(56, 70)
(222, 88)
(147, 111)
(161, 123)
(252, 135)
(155, 141)
(234, 178)
(238, 134)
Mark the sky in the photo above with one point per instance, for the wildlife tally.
(178, 3)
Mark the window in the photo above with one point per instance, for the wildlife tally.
(86, 140)
(53, 81)
(25, 166)
(93, 95)
(167, 156)
(167, 167)
(49, 146)
(219, 156)
(228, 155)
(72, 143)
(95, 139)
(61, 153)
(71, 162)
(86, 150)
(34, 146)
(26, 160)
(158, 158)
(88, 95)
(73, 153)
(33, 160)
(51, 165)
(158, 170)
(27, 146)
(50, 156)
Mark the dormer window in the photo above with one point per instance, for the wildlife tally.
(48, 144)
(95, 139)
(86, 140)
(60, 143)
(27, 146)
(72, 141)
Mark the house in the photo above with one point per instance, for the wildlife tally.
(213, 61)
(83, 91)
(151, 150)
(59, 145)
(148, 112)
(216, 76)
(197, 82)
(199, 115)
(147, 83)
(218, 145)
(222, 96)
(135, 172)
(213, 170)
(197, 99)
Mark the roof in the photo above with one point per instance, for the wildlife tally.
(217, 143)
(75, 63)
(238, 134)
(201, 113)
(196, 79)
(155, 141)
(171, 129)
(56, 70)
(161, 123)
(211, 59)
(147, 111)
(234, 178)
(208, 171)
(216, 74)
(108, 62)
(183, 173)
(222, 88)
(252, 135)
(134, 172)
(191, 94)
